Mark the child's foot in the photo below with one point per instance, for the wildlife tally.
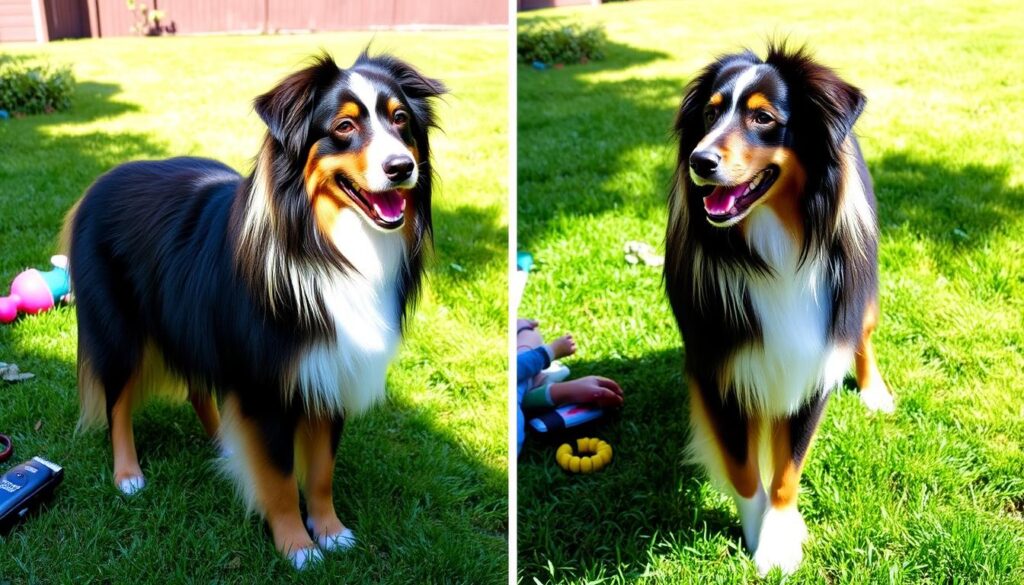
(562, 347)
(587, 390)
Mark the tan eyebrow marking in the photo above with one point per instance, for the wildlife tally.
(393, 104)
(757, 101)
(716, 100)
(348, 110)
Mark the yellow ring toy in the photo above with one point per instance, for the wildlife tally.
(594, 455)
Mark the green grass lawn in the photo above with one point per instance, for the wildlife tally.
(931, 494)
(422, 479)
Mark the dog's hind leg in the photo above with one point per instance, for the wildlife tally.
(109, 365)
(317, 440)
(262, 457)
(725, 441)
(127, 473)
(873, 391)
(205, 405)
(783, 531)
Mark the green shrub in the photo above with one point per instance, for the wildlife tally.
(34, 89)
(553, 43)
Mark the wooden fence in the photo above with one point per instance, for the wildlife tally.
(43, 20)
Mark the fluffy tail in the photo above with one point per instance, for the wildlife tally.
(92, 398)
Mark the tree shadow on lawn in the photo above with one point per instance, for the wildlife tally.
(958, 206)
(649, 496)
(471, 238)
(577, 134)
(611, 519)
(610, 147)
(404, 482)
(42, 174)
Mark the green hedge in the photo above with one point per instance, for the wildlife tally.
(552, 43)
(34, 89)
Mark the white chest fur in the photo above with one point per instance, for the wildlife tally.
(793, 306)
(349, 371)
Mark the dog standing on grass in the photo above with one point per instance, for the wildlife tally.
(771, 271)
(283, 294)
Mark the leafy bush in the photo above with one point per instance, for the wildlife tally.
(34, 89)
(553, 43)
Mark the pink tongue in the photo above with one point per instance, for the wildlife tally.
(389, 205)
(723, 199)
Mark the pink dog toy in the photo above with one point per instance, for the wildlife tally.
(34, 292)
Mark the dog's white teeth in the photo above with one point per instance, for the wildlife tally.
(377, 209)
(403, 204)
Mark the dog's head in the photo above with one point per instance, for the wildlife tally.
(751, 130)
(360, 136)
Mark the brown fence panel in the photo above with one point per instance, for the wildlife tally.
(190, 16)
(324, 14)
(353, 14)
(113, 19)
(67, 19)
(16, 22)
(456, 12)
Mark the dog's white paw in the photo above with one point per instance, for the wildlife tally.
(877, 398)
(130, 486)
(305, 557)
(339, 541)
(783, 533)
(343, 540)
(751, 513)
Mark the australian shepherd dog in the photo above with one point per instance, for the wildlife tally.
(280, 295)
(771, 271)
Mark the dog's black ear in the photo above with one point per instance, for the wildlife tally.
(836, 103)
(288, 108)
(839, 102)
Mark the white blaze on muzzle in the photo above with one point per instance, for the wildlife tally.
(383, 144)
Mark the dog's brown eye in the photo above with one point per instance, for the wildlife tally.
(763, 118)
(344, 127)
(400, 117)
(710, 114)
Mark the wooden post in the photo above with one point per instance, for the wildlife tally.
(94, 18)
(39, 21)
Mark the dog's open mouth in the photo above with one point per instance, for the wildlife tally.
(384, 208)
(729, 203)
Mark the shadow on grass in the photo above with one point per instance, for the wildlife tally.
(404, 482)
(43, 172)
(647, 497)
(647, 490)
(589, 146)
(955, 205)
(576, 133)
(471, 237)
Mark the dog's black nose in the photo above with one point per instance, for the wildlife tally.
(398, 167)
(704, 163)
